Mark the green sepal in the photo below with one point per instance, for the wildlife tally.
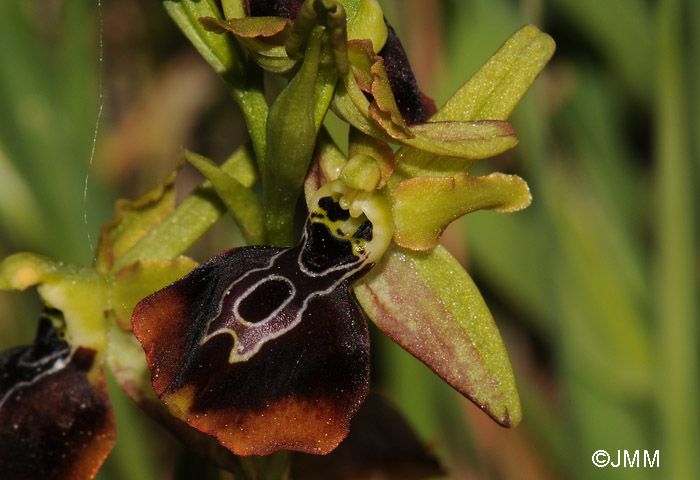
(423, 207)
(490, 94)
(496, 89)
(428, 304)
(81, 293)
(135, 282)
(380, 117)
(242, 203)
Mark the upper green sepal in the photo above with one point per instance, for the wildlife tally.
(490, 94)
(499, 85)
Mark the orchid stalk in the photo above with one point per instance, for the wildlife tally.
(265, 347)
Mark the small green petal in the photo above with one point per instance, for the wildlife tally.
(428, 304)
(424, 206)
(495, 90)
(242, 203)
(468, 140)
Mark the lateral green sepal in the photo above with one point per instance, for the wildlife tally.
(428, 304)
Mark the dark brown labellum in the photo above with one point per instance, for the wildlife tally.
(264, 347)
(54, 423)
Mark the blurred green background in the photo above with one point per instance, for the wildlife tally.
(594, 287)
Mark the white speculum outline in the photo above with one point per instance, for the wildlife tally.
(376, 212)
(273, 314)
(236, 355)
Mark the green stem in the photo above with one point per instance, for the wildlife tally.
(678, 379)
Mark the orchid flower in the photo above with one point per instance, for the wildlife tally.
(265, 347)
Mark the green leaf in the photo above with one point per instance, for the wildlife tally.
(424, 206)
(428, 304)
(242, 203)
